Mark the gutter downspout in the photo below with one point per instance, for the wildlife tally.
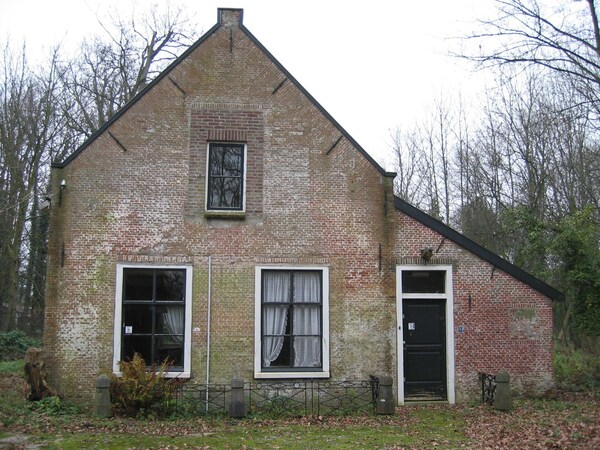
(208, 329)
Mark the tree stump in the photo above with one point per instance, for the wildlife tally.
(36, 375)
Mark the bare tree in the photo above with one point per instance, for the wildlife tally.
(562, 37)
(28, 132)
(427, 159)
(110, 70)
(45, 112)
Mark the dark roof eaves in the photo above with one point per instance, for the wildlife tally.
(475, 248)
(134, 100)
(316, 103)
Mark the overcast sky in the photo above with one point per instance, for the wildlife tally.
(373, 66)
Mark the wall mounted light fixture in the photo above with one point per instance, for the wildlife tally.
(426, 254)
(63, 186)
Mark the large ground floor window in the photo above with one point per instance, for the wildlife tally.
(292, 322)
(153, 316)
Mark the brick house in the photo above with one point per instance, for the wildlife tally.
(225, 220)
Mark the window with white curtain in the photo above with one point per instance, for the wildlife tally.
(292, 322)
(153, 315)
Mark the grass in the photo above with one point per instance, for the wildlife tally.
(339, 434)
(11, 367)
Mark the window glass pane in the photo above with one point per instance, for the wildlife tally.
(225, 192)
(276, 287)
(307, 287)
(137, 284)
(137, 319)
(225, 176)
(284, 355)
(169, 349)
(227, 161)
(291, 319)
(153, 315)
(170, 320)
(137, 344)
(307, 320)
(424, 281)
(170, 285)
(307, 351)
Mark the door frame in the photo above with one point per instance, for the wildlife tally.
(449, 297)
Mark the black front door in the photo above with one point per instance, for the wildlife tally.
(424, 335)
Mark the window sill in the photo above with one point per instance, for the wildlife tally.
(167, 374)
(238, 215)
(281, 375)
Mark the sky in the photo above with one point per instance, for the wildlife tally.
(375, 65)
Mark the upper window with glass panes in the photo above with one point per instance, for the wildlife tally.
(226, 177)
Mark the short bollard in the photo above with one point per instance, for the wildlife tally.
(237, 404)
(385, 396)
(502, 396)
(102, 406)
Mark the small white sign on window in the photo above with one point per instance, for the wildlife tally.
(128, 329)
(411, 326)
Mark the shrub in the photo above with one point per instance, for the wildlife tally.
(14, 344)
(577, 370)
(141, 390)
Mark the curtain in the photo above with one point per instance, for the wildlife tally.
(276, 289)
(174, 318)
(307, 319)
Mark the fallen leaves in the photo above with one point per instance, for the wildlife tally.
(570, 422)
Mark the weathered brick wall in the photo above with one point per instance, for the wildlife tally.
(308, 202)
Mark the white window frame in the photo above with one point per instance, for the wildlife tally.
(187, 345)
(226, 211)
(448, 295)
(258, 371)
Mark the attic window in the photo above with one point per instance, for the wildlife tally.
(226, 177)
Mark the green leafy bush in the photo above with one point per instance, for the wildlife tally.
(14, 344)
(576, 370)
(141, 390)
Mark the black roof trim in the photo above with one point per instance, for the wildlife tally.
(477, 249)
(184, 55)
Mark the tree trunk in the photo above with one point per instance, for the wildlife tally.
(35, 374)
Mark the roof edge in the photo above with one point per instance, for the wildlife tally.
(184, 55)
(139, 95)
(290, 77)
(485, 254)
